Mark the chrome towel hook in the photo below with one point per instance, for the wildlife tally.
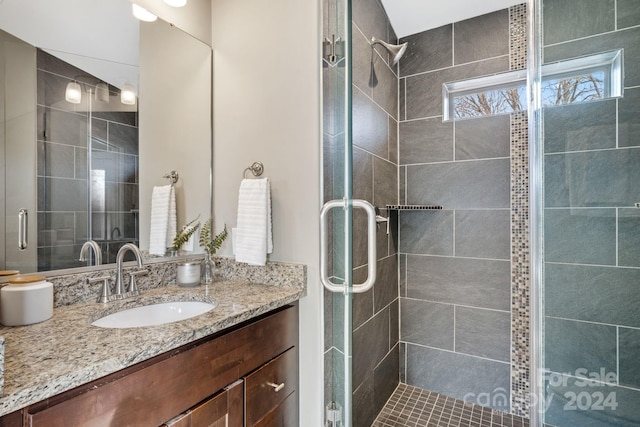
(256, 169)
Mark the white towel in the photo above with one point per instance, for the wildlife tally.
(163, 219)
(253, 237)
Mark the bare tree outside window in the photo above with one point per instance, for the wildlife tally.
(575, 89)
(491, 102)
(588, 87)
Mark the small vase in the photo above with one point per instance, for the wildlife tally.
(208, 270)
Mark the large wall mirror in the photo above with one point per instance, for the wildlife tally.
(96, 108)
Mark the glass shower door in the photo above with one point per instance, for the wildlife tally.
(590, 157)
(336, 215)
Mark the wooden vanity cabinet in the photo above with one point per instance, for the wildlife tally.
(220, 380)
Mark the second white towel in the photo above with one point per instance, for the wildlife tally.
(253, 238)
(163, 219)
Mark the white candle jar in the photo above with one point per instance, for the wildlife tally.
(188, 273)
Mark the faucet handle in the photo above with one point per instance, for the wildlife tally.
(105, 290)
(133, 287)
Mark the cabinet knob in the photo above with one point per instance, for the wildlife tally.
(276, 387)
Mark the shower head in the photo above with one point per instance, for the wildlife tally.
(396, 50)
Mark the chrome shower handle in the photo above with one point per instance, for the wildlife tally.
(371, 246)
(372, 228)
(23, 226)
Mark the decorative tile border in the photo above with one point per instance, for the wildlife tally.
(520, 274)
(518, 37)
(520, 259)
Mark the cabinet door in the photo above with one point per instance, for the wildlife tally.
(270, 385)
(212, 413)
(222, 410)
(284, 415)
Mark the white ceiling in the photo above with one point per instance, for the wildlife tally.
(98, 36)
(414, 16)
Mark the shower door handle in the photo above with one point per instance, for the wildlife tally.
(371, 246)
(23, 225)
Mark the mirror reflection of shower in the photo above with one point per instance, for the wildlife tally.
(90, 191)
(395, 50)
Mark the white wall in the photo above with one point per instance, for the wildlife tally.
(175, 121)
(266, 108)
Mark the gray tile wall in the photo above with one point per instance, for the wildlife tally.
(375, 179)
(592, 158)
(62, 133)
(455, 269)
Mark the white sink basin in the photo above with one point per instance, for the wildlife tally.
(154, 314)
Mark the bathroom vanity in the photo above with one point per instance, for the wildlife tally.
(235, 365)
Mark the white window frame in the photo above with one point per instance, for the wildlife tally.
(611, 63)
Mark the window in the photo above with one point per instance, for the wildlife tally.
(583, 79)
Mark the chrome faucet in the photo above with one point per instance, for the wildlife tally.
(114, 231)
(120, 290)
(96, 250)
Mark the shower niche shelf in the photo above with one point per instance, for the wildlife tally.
(390, 208)
(413, 207)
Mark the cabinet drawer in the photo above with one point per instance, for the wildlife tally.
(284, 415)
(157, 392)
(270, 385)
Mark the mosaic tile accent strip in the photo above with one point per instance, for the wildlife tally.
(518, 37)
(412, 406)
(520, 260)
(520, 266)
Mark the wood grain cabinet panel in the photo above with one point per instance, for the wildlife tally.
(283, 415)
(221, 410)
(270, 385)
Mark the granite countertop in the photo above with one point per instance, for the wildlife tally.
(47, 358)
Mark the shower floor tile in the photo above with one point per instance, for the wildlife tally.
(412, 407)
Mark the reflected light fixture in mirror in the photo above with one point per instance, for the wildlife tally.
(102, 93)
(142, 14)
(128, 94)
(176, 3)
(73, 93)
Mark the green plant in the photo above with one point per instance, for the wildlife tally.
(211, 245)
(185, 233)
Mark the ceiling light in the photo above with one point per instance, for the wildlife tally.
(73, 93)
(143, 14)
(176, 3)
(128, 95)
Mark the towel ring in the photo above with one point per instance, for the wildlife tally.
(172, 176)
(256, 169)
